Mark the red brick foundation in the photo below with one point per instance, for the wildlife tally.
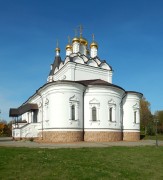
(101, 136)
(131, 136)
(62, 136)
(89, 136)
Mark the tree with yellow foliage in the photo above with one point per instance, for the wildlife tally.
(146, 117)
(5, 129)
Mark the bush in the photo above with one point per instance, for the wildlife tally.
(150, 129)
(5, 129)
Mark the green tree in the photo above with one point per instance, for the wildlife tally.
(159, 117)
(146, 117)
(5, 128)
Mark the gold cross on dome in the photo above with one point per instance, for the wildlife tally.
(69, 39)
(93, 37)
(57, 43)
(81, 30)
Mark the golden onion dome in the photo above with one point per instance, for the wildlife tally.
(68, 46)
(57, 49)
(94, 44)
(83, 41)
(75, 39)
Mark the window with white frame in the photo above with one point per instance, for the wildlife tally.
(110, 114)
(111, 110)
(135, 114)
(94, 106)
(74, 108)
(94, 114)
(73, 112)
(136, 118)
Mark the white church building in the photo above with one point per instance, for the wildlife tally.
(79, 102)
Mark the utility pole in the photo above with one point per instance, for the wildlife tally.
(156, 121)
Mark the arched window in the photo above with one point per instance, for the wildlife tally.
(110, 114)
(112, 111)
(73, 109)
(136, 113)
(135, 116)
(73, 112)
(94, 116)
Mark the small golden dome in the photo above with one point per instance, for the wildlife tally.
(57, 49)
(83, 41)
(93, 44)
(75, 39)
(68, 46)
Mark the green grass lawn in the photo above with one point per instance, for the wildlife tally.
(159, 136)
(84, 163)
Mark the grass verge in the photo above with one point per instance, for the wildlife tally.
(83, 163)
(159, 137)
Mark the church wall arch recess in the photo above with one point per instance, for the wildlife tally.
(92, 63)
(46, 104)
(111, 111)
(67, 59)
(73, 108)
(78, 60)
(94, 106)
(136, 115)
(61, 65)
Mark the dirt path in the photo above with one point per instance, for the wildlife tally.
(8, 142)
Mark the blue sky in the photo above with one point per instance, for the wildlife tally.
(129, 35)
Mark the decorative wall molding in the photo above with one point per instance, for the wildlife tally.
(135, 106)
(94, 101)
(111, 102)
(46, 102)
(74, 98)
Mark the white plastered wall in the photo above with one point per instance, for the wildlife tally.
(57, 101)
(131, 103)
(100, 97)
(76, 71)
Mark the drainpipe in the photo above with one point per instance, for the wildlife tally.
(83, 112)
(122, 126)
(42, 127)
